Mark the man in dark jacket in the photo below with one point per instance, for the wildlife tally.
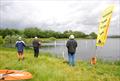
(36, 44)
(71, 45)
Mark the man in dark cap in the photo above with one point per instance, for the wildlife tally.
(36, 44)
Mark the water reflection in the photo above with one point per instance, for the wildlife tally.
(86, 49)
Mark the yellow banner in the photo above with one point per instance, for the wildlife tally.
(104, 25)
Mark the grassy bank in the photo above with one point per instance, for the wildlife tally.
(49, 68)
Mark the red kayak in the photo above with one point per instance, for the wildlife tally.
(14, 75)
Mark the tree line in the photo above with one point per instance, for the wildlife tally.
(34, 31)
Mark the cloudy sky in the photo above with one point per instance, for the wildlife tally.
(58, 15)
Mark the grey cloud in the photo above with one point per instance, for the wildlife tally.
(79, 15)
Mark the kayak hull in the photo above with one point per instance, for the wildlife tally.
(14, 75)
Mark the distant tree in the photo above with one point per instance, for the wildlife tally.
(93, 35)
(58, 35)
(68, 33)
(34, 31)
(31, 32)
(49, 33)
(5, 32)
(78, 34)
(42, 34)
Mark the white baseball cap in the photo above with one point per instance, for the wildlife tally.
(71, 37)
(19, 38)
(36, 37)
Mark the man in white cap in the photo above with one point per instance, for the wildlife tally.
(36, 44)
(71, 46)
(20, 47)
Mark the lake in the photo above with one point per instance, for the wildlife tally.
(86, 49)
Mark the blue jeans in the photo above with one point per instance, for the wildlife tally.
(71, 58)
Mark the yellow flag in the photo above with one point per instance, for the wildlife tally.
(104, 25)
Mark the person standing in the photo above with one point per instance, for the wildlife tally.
(71, 46)
(36, 44)
(20, 48)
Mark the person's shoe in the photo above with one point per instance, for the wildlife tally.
(73, 65)
(23, 58)
(18, 59)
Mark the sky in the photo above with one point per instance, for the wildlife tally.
(58, 15)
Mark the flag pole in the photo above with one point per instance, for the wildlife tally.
(103, 30)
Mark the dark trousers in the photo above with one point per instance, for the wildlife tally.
(36, 51)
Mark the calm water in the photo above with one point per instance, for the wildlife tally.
(86, 49)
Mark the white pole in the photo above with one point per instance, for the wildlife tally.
(86, 43)
(65, 42)
(55, 43)
(63, 54)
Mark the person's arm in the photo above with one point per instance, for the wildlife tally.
(67, 44)
(39, 43)
(76, 44)
(16, 44)
(23, 43)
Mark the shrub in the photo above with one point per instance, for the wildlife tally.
(1, 40)
(52, 38)
(10, 41)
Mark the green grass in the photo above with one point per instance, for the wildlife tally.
(49, 68)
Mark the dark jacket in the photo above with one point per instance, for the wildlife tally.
(71, 45)
(36, 43)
